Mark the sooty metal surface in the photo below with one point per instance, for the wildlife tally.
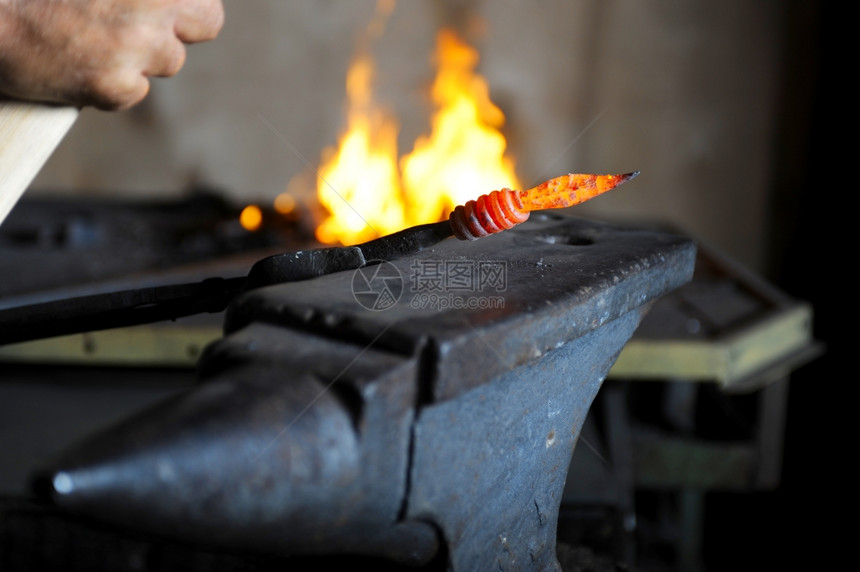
(424, 406)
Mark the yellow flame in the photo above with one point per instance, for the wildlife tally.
(359, 182)
(464, 156)
(251, 218)
(285, 204)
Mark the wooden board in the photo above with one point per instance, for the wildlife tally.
(29, 133)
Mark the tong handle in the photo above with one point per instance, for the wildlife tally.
(116, 309)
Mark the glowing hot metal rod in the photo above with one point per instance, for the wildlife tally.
(506, 208)
(488, 214)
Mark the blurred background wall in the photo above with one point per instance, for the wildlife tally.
(685, 92)
(729, 109)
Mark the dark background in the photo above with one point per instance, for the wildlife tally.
(806, 523)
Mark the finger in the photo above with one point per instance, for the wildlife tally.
(116, 91)
(167, 60)
(199, 20)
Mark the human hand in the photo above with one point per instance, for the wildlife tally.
(97, 53)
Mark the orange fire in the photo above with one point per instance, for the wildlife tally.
(358, 182)
(251, 218)
(368, 192)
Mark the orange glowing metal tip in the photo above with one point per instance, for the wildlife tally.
(506, 208)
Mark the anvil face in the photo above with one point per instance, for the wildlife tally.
(440, 413)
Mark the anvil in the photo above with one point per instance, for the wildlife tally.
(408, 409)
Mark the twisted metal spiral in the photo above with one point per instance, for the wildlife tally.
(489, 214)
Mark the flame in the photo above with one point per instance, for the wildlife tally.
(285, 204)
(464, 155)
(358, 183)
(368, 192)
(251, 218)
